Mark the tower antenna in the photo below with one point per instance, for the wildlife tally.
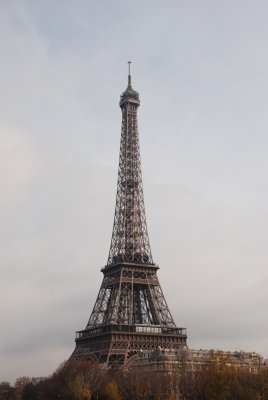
(129, 76)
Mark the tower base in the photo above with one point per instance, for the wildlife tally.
(117, 344)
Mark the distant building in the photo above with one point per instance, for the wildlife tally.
(163, 360)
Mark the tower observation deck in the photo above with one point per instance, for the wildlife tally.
(130, 312)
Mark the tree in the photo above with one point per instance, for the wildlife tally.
(6, 391)
(77, 389)
(111, 391)
(20, 385)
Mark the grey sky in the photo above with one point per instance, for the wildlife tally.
(201, 70)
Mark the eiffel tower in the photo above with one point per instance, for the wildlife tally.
(130, 313)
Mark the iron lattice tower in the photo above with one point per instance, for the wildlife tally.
(130, 312)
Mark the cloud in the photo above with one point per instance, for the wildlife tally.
(17, 169)
(201, 73)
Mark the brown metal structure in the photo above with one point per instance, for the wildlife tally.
(130, 312)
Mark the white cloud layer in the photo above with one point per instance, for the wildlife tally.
(201, 70)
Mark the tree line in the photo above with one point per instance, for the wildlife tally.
(83, 380)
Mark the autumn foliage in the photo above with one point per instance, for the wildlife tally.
(82, 380)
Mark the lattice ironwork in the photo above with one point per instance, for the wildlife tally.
(131, 294)
(130, 312)
(130, 240)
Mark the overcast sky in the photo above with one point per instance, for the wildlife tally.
(201, 70)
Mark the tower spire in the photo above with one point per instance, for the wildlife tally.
(130, 240)
(129, 75)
